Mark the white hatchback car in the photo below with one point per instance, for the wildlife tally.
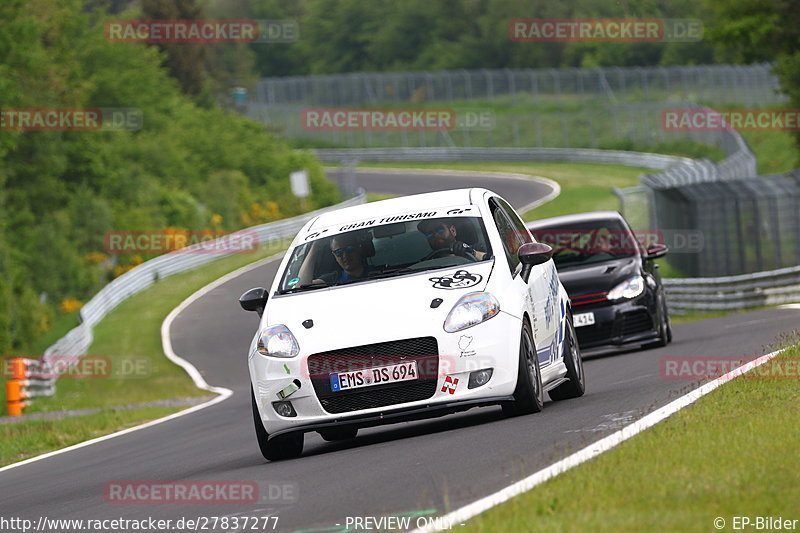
(408, 308)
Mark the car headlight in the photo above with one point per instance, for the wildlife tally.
(471, 309)
(277, 341)
(630, 288)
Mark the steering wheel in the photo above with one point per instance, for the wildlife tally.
(439, 252)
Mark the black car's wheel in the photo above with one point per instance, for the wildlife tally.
(664, 327)
(283, 447)
(529, 395)
(576, 385)
(335, 434)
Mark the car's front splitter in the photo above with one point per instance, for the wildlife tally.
(396, 415)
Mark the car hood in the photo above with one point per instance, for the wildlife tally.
(599, 277)
(375, 311)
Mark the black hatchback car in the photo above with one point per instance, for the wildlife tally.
(611, 277)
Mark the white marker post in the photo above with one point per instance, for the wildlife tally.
(300, 186)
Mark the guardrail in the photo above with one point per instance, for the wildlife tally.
(734, 292)
(79, 339)
(573, 155)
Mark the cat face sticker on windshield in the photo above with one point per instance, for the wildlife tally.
(460, 280)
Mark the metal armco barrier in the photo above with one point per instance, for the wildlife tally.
(78, 340)
(28, 378)
(734, 292)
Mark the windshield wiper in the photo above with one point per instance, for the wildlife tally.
(306, 287)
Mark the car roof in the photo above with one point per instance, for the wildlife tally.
(403, 204)
(572, 219)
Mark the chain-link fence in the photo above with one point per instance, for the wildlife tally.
(607, 108)
(750, 225)
(721, 84)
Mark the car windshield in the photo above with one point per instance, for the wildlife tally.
(583, 243)
(385, 251)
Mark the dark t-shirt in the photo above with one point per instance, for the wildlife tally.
(341, 276)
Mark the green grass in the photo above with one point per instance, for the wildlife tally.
(378, 196)
(62, 323)
(24, 439)
(729, 454)
(775, 151)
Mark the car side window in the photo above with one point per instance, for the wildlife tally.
(507, 231)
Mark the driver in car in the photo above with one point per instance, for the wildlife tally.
(441, 235)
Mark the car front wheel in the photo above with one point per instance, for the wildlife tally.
(529, 395)
(283, 447)
(573, 360)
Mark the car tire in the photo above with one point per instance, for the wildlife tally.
(664, 327)
(573, 360)
(283, 447)
(528, 395)
(334, 434)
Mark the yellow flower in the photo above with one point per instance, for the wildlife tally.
(95, 257)
(69, 305)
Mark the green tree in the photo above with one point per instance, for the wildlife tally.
(761, 30)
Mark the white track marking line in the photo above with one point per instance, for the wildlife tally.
(790, 306)
(593, 450)
(190, 369)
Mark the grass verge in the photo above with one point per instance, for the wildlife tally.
(726, 455)
(28, 438)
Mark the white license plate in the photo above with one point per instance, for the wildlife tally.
(583, 319)
(373, 376)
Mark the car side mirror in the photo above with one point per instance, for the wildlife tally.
(254, 300)
(532, 254)
(654, 251)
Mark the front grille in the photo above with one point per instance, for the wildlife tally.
(636, 322)
(423, 350)
(594, 333)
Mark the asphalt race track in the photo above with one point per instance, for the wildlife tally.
(438, 464)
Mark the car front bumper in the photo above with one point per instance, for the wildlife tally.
(618, 324)
(493, 344)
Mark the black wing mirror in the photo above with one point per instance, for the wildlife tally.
(254, 300)
(532, 254)
(654, 251)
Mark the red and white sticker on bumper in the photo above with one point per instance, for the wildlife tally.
(450, 384)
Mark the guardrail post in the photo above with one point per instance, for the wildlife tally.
(15, 389)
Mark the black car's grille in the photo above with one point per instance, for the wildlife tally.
(594, 333)
(423, 350)
(636, 322)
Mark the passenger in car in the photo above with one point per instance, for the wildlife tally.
(348, 250)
